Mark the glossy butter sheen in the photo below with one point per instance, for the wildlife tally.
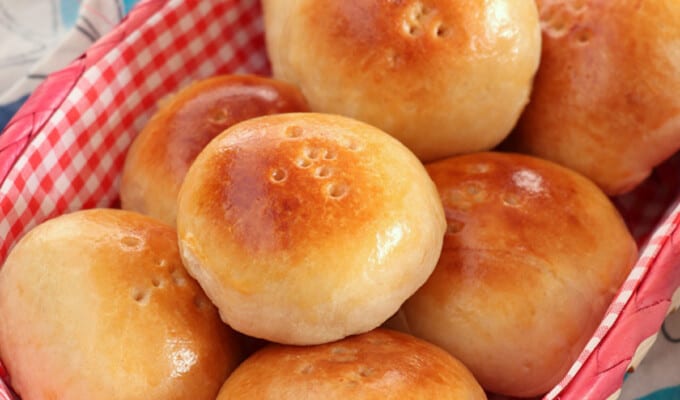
(380, 364)
(306, 227)
(533, 256)
(427, 72)
(272, 189)
(605, 100)
(97, 305)
(184, 124)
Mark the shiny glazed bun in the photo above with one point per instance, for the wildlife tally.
(305, 228)
(606, 99)
(162, 153)
(377, 365)
(96, 305)
(444, 77)
(532, 258)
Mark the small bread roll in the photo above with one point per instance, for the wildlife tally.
(305, 228)
(378, 365)
(606, 98)
(96, 305)
(443, 77)
(162, 153)
(533, 256)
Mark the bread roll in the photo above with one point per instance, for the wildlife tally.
(162, 153)
(379, 365)
(532, 258)
(444, 77)
(96, 305)
(606, 98)
(305, 228)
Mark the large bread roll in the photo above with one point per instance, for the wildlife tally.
(444, 77)
(378, 365)
(184, 123)
(606, 100)
(305, 228)
(533, 255)
(96, 305)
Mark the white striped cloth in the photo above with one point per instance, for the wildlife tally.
(38, 37)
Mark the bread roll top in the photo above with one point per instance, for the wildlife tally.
(533, 256)
(380, 364)
(605, 99)
(184, 124)
(431, 72)
(97, 305)
(321, 223)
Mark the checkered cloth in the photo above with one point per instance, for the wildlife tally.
(65, 149)
(39, 37)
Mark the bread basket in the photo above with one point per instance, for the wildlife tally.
(64, 151)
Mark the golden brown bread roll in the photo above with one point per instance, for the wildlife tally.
(532, 257)
(305, 228)
(378, 365)
(444, 77)
(96, 305)
(606, 98)
(162, 153)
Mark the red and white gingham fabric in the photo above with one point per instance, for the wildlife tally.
(65, 148)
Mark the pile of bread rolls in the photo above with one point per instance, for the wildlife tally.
(294, 224)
